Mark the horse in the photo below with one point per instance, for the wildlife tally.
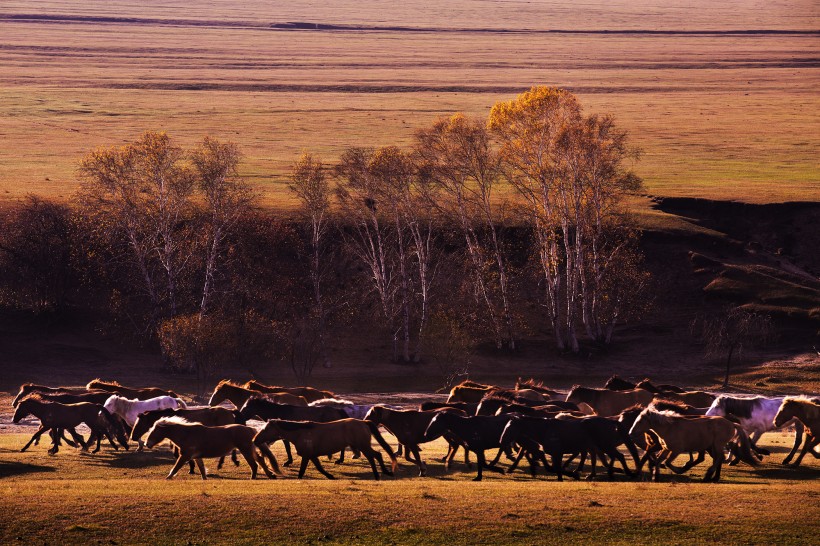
(468, 408)
(29, 388)
(264, 409)
(238, 395)
(698, 399)
(408, 426)
(807, 412)
(56, 417)
(195, 441)
(128, 410)
(607, 403)
(678, 434)
(534, 385)
(308, 393)
(477, 433)
(756, 415)
(312, 440)
(354, 411)
(617, 383)
(540, 436)
(469, 393)
(660, 389)
(127, 392)
(607, 434)
(207, 416)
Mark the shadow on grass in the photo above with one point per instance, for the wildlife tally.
(131, 459)
(780, 472)
(8, 469)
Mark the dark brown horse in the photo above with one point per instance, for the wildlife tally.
(408, 426)
(140, 394)
(29, 388)
(195, 442)
(57, 417)
(308, 393)
(607, 403)
(312, 440)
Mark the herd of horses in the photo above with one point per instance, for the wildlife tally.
(651, 424)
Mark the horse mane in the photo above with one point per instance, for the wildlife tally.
(173, 420)
(475, 385)
(671, 406)
(98, 380)
(531, 382)
(499, 394)
(812, 407)
(658, 417)
(330, 402)
(229, 382)
(36, 396)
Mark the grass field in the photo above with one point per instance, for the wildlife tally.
(117, 497)
(720, 114)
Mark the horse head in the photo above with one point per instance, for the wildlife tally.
(23, 410)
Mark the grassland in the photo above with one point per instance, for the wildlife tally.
(116, 497)
(719, 114)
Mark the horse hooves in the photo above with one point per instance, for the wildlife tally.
(287, 463)
(339, 461)
(477, 479)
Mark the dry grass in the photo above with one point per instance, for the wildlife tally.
(121, 497)
(719, 115)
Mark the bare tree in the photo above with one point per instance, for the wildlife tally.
(731, 331)
(311, 187)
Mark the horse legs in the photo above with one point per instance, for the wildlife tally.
(260, 458)
(181, 460)
(811, 441)
(318, 465)
(287, 450)
(798, 439)
(482, 462)
(691, 463)
(249, 455)
(303, 466)
(370, 455)
(35, 439)
(419, 462)
(201, 467)
(266, 452)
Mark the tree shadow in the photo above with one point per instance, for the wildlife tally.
(8, 469)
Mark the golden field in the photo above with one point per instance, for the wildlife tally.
(722, 99)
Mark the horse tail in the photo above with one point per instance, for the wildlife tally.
(374, 430)
(745, 450)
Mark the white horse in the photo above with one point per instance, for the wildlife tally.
(756, 416)
(354, 411)
(128, 410)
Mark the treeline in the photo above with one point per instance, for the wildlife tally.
(481, 231)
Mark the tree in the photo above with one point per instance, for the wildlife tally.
(731, 331)
(457, 155)
(311, 187)
(141, 193)
(571, 171)
(227, 199)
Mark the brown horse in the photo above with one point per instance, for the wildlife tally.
(210, 417)
(534, 385)
(678, 434)
(308, 393)
(408, 426)
(659, 389)
(238, 395)
(469, 392)
(140, 394)
(195, 442)
(312, 440)
(57, 417)
(607, 403)
(808, 413)
(29, 388)
(698, 399)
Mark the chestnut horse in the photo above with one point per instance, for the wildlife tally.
(607, 403)
(308, 393)
(807, 412)
(29, 388)
(57, 417)
(678, 434)
(195, 442)
(312, 440)
(238, 395)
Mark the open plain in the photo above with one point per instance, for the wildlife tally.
(721, 97)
